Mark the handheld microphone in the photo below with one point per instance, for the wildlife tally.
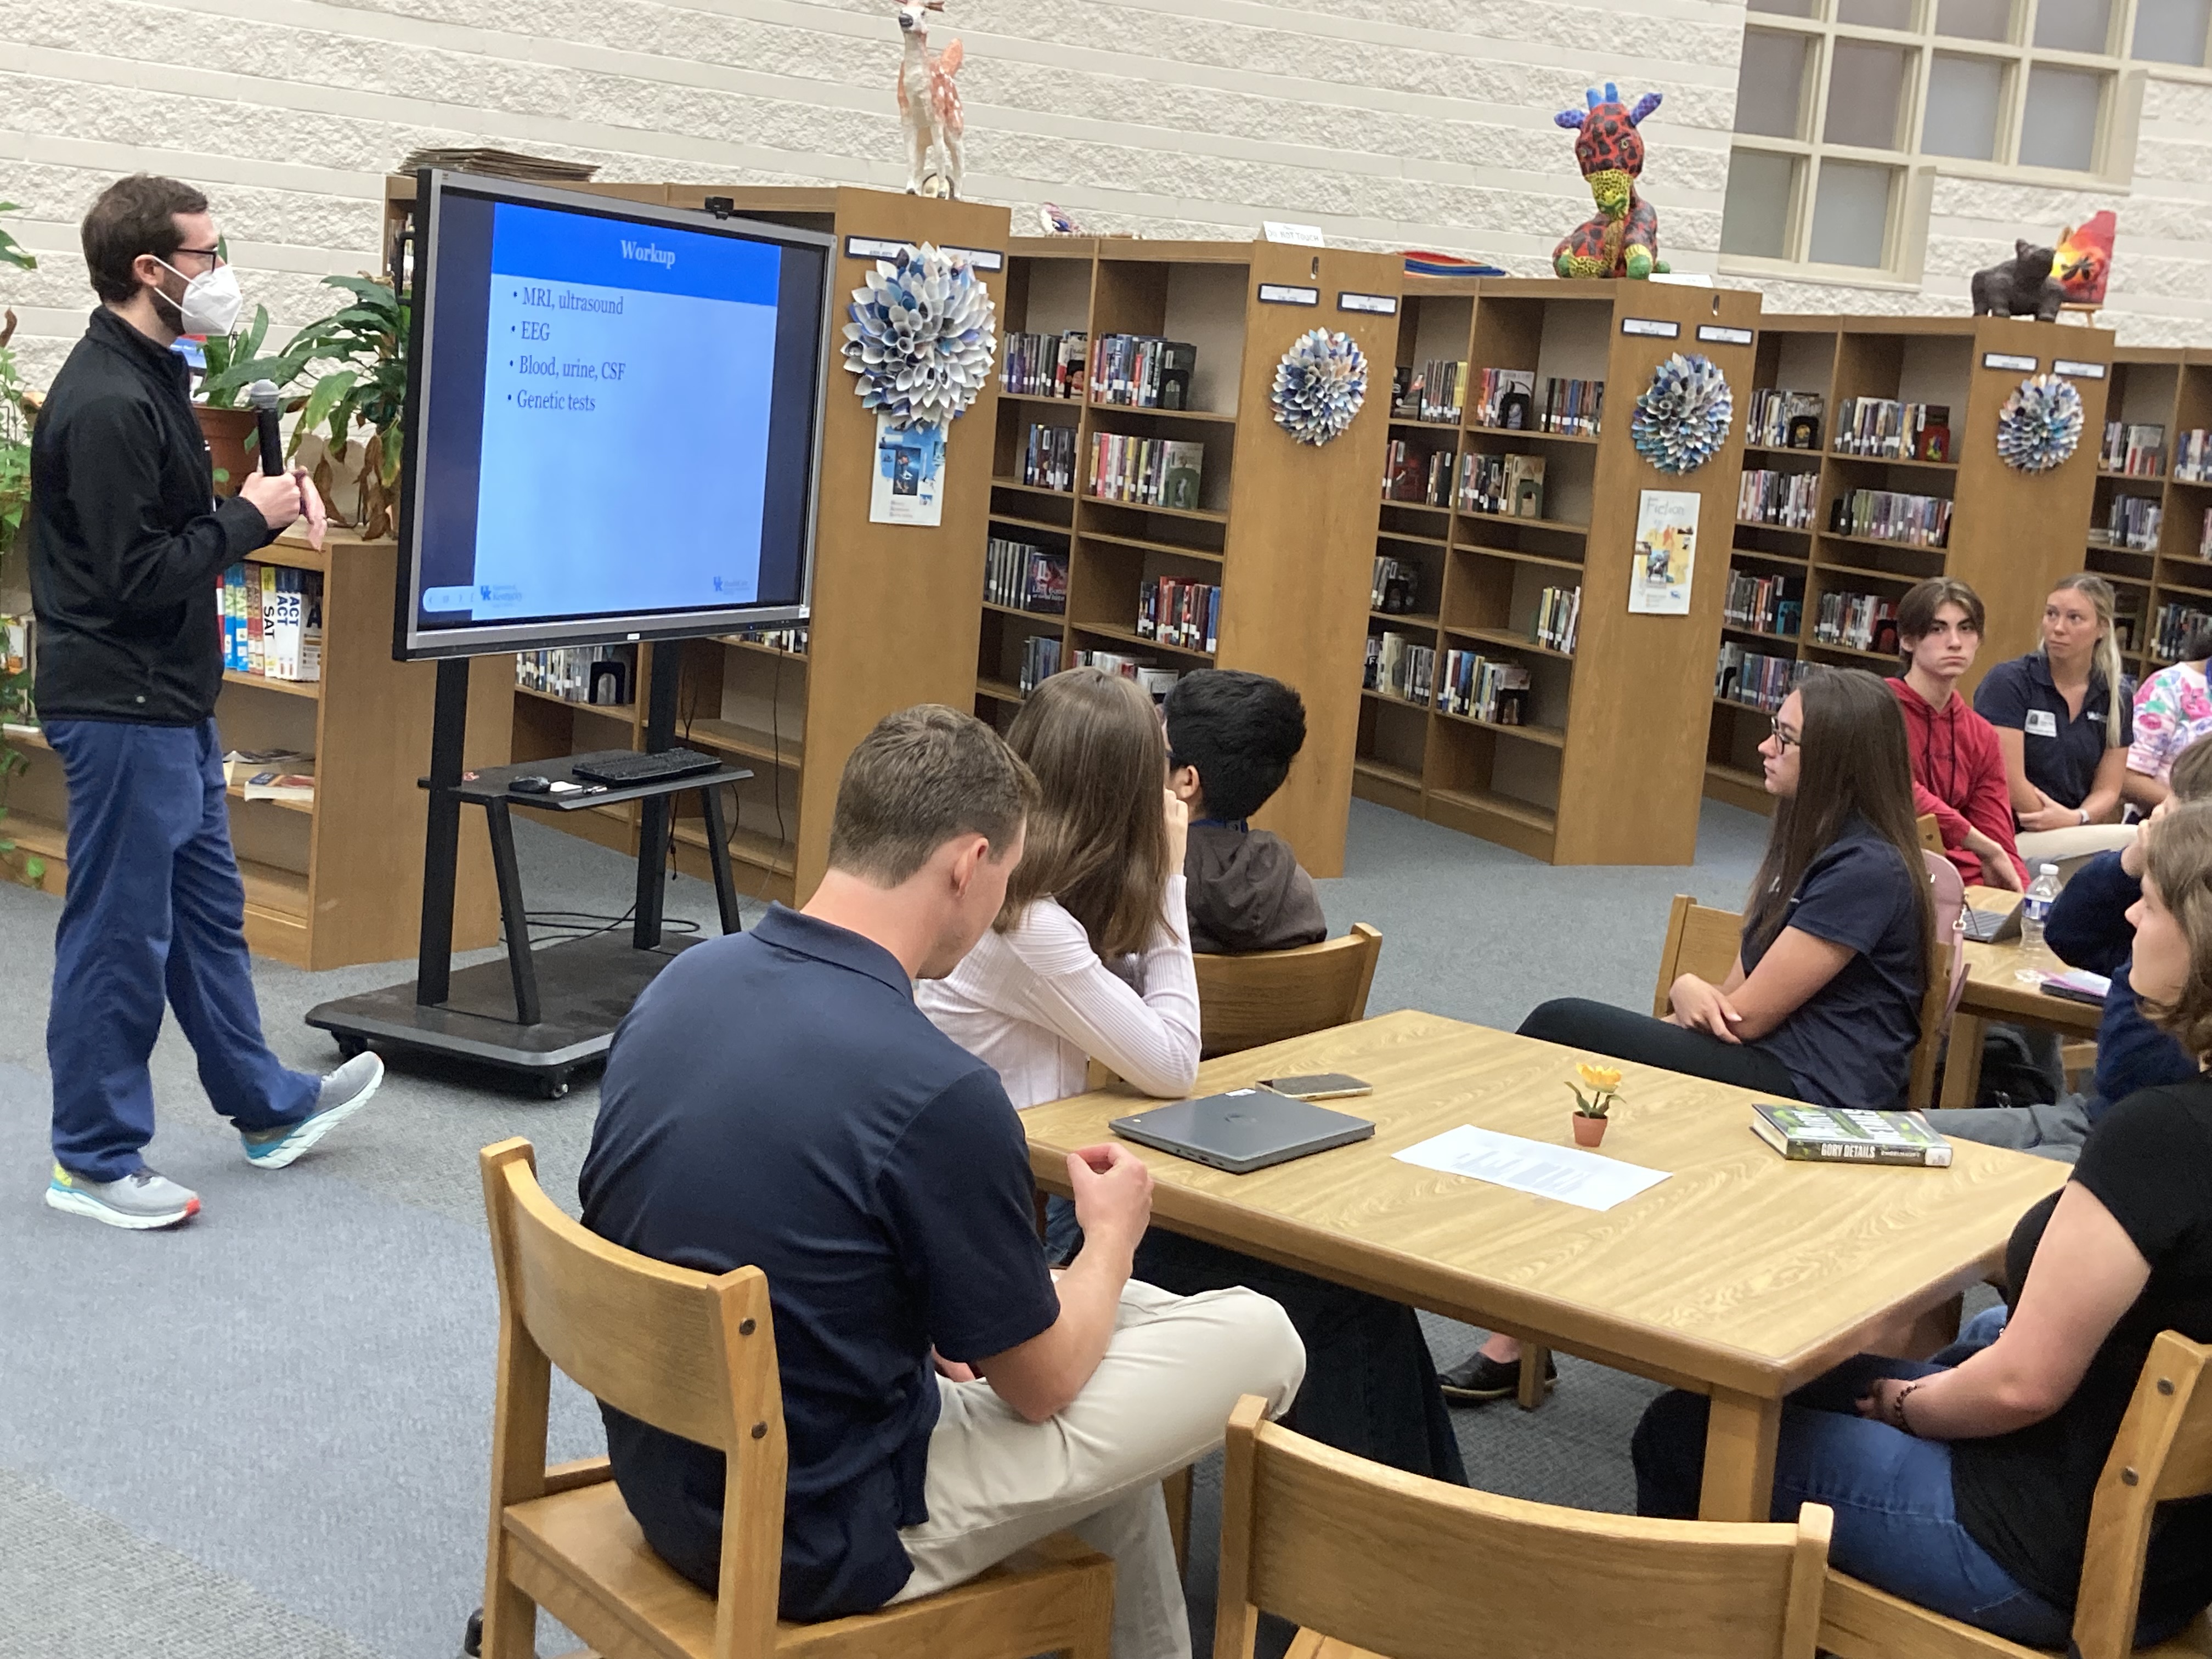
(266, 401)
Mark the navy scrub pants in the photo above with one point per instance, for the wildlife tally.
(155, 913)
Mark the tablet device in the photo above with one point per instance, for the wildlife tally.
(1321, 1085)
(1242, 1131)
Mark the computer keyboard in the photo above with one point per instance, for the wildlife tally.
(621, 769)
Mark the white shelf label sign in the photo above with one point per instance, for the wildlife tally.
(2007, 360)
(1652, 325)
(2074, 371)
(1296, 235)
(982, 258)
(1383, 305)
(1282, 294)
(1721, 334)
(874, 247)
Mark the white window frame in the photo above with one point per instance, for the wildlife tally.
(1905, 236)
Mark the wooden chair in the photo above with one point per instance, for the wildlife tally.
(696, 1356)
(1369, 1560)
(2163, 1452)
(1931, 834)
(1248, 1000)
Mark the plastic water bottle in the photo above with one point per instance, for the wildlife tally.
(2035, 907)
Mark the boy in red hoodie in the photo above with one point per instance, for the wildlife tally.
(1958, 771)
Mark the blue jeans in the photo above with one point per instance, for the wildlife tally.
(1896, 1527)
(155, 913)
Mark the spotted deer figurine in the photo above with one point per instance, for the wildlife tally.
(1622, 238)
(929, 104)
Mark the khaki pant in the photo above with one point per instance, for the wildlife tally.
(1158, 1402)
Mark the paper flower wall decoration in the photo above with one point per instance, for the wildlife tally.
(2040, 424)
(1682, 419)
(1320, 384)
(922, 339)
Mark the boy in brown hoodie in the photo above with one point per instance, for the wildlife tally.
(1231, 736)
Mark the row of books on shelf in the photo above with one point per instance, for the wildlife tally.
(1511, 486)
(1148, 471)
(1886, 429)
(1397, 586)
(788, 638)
(1559, 618)
(2173, 627)
(1507, 399)
(1484, 688)
(1428, 392)
(1049, 457)
(1039, 661)
(1756, 679)
(1890, 516)
(1026, 577)
(272, 621)
(1789, 499)
(1771, 605)
(277, 774)
(2130, 522)
(1157, 681)
(1778, 418)
(602, 676)
(1399, 666)
(1142, 371)
(1177, 611)
(1414, 474)
(2192, 456)
(1044, 365)
(2136, 448)
(1864, 622)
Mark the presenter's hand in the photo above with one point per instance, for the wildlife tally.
(312, 508)
(1113, 1192)
(1178, 822)
(277, 497)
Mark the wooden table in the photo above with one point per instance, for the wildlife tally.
(1741, 1277)
(1995, 991)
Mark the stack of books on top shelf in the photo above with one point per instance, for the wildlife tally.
(602, 676)
(1401, 666)
(1886, 429)
(1787, 500)
(1864, 622)
(1428, 392)
(1044, 365)
(1422, 477)
(1754, 678)
(1155, 680)
(1770, 604)
(2130, 522)
(1142, 371)
(1397, 587)
(2174, 623)
(2192, 456)
(272, 621)
(780, 636)
(1039, 661)
(1508, 486)
(1147, 471)
(1049, 457)
(2138, 451)
(1483, 689)
(1887, 515)
(1559, 618)
(1773, 412)
(1026, 577)
(1180, 613)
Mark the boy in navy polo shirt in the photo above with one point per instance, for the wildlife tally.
(775, 1098)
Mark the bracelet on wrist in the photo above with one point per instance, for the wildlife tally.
(1897, 1416)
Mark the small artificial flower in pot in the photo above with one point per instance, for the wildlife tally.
(1589, 1119)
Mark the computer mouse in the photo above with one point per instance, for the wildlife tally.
(532, 785)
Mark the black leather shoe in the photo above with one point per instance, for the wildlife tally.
(1480, 1379)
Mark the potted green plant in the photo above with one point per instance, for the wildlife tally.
(1589, 1119)
(230, 430)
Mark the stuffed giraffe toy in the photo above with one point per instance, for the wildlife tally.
(929, 103)
(1622, 238)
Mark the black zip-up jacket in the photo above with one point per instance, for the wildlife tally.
(126, 538)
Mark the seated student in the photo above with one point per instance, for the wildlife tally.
(2089, 928)
(1823, 1002)
(1098, 900)
(1232, 738)
(1967, 1488)
(2063, 722)
(775, 1099)
(2172, 710)
(1958, 771)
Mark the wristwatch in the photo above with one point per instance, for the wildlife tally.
(2084, 815)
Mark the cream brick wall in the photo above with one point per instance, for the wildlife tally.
(1392, 123)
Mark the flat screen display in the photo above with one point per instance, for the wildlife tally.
(612, 421)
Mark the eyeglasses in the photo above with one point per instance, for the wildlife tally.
(1786, 739)
(212, 255)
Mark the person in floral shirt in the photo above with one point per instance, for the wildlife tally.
(2173, 708)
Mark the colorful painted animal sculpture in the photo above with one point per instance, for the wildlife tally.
(929, 103)
(1622, 238)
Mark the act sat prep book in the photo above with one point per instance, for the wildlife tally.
(1833, 1134)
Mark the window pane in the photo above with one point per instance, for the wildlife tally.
(1964, 95)
(1786, 8)
(1851, 213)
(2074, 25)
(1770, 88)
(1756, 220)
(1975, 20)
(2173, 31)
(1876, 13)
(2059, 127)
(1866, 93)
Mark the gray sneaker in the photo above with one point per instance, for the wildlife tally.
(344, 1092)
(141, 1201)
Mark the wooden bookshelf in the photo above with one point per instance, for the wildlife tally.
(339, 882)
(2171, 388)
(2011, 535)
(1606, 768)
(1282, 528)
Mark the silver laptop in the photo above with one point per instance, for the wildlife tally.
(1243, 1130)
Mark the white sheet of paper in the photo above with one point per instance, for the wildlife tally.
(1566, 1173)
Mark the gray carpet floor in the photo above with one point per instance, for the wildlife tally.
(267, 1433)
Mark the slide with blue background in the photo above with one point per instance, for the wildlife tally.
(628, 380)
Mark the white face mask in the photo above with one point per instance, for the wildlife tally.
(212, 300)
